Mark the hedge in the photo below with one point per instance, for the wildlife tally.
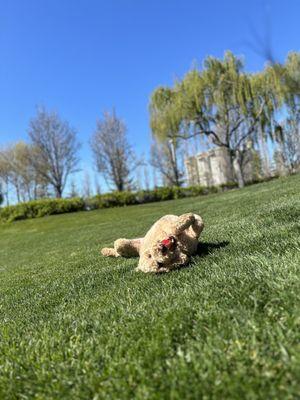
(119, 199)
(40, 208)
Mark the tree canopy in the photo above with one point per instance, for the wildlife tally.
(225, 103)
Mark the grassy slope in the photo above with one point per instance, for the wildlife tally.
(74, 324)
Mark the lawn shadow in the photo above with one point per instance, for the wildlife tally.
(206, 248)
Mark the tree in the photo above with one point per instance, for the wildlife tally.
(25, 178)
(114, 157)
(221, 102)
(1, 195)
(56, 149)
(164, 157)
(19, 172)
(288, 138)
(289, 77)
(288, 135)
(86, 187)
(264, 151)
(4, 177)
(10, 157)
(165, 125)
(292, 144)
(97, 185)
(73, 190)
(146, 177)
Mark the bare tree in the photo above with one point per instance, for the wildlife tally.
(114, 157)
(86, 187)
(21, 174)
(138, 178)
(154, 177)
(18, 171)
(97, 185)
(146, 177)
(73, 190)
(57, 149)
(164, 157)
(4, 179)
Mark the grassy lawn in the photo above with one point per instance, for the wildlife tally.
(75, 325)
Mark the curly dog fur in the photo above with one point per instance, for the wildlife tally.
(169, 243)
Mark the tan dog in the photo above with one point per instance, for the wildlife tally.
(168, 244)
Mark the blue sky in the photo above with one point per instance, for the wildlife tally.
(85, 56)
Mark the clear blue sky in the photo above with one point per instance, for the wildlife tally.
(81, 57)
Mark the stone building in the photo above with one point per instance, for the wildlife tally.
(213, 167)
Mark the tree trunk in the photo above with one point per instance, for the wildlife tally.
(58, 192)
(7, 197)
(120, 186)
(177, 180)
(29, 193)
(6, 191)
(237, 167)
(174, 163)
(17, 192)
(265, 155)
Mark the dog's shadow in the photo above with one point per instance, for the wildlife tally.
(204, 249)
(207, 248)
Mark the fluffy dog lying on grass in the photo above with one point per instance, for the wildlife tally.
(167, 245)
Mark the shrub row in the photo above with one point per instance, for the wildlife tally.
(119, 199)
(40, 208)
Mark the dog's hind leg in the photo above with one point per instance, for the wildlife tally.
(109, 252)
(128, 247)
(123, 248)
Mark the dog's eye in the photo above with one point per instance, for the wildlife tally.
(149, 256)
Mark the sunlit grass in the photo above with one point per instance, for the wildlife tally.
(77, 325)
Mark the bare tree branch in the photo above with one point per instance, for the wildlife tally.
(56, 149)
(113, 155)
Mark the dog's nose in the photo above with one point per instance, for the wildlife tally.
(160, 264)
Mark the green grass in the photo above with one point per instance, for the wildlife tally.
(75, 325)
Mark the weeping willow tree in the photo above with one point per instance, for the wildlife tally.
(166, 158)
(221, 102)
(291, 90)
(286, 133)
(165, 122)
(290, 75)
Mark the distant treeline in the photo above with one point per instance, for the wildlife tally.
(52, 206)
(44, 207)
